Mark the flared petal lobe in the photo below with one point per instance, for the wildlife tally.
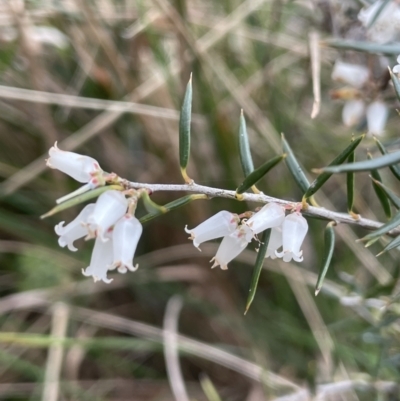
(79, 167)
(221, 224)
(76, 229)
(126, 235)
(110, 207)
(294, 230)
(270, 215)
(231, 246)
(102, 257)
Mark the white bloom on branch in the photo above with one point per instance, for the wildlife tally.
(231, 246)
(221, 224)
(377, 115)
(353, 112)
(275, 242)
(102, 257)
(79, 167)
(294, 230)
(110, 207)
(270, 215)
(354, 75)
(126, 235)
(76, 229)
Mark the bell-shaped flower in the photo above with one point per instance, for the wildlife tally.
(294, 230)
(377, 115)
(76, 229)
(353, 112)
(396, 68)
(221, 224)
(102, 257)
(270, 215)
(231, 246)
(126, 235)
(79, 167)
(275, 242)
(110, 207)
(351, 74)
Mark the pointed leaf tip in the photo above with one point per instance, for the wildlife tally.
(246, 159)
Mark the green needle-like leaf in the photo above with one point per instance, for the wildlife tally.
(262, 251)
(380, 193)
(184, 131)
(244, 148)
(256, 175)
(390, 194)
(385, 228)
(365, 165)
(396, 83)
(151, 206)
(329, 245)
(393, 168)
(80, 199)
(294, 166)
(392, 244)
(322, 178)
(177, 203)
(350, 184)
(367, 47)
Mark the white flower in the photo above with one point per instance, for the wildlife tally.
(81, 168)
(76, 229)
(270, 215)
(126, 235)
(386, 27)
(351, 74)
(353, 112)
(217, 226)
(377, 115)
(274, 243)
(110, 207)
(231, 246)
(396, 68)
(294, 230)
(102, 256)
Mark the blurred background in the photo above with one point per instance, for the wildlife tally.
(106, 78)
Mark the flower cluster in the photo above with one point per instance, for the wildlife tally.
(355, 109)
(287, 232)
(109, 221)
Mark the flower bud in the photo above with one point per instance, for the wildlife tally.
(231, 246)
(100, 260)
(377, 115)
(294, 230)
(351, 74)
(217, 226)
(126, 235)
(270, 215)
(110, 207)
(76, 229)
(79, 167)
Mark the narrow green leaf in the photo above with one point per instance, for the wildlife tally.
(385, 228)
(80, 199)
(393, 168)
(380, 193)
(392, 244)
(367, 47)
(378, 13)
(390, 194)
(209, 389)
(365, 165)
(171, 206)
(323, 177)
(329, 246)
(244, 148)
(396, 83)
(256, 175)
(294, 166)
(262, 251)
(151, 206)
(350, 184)
(184, 130)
